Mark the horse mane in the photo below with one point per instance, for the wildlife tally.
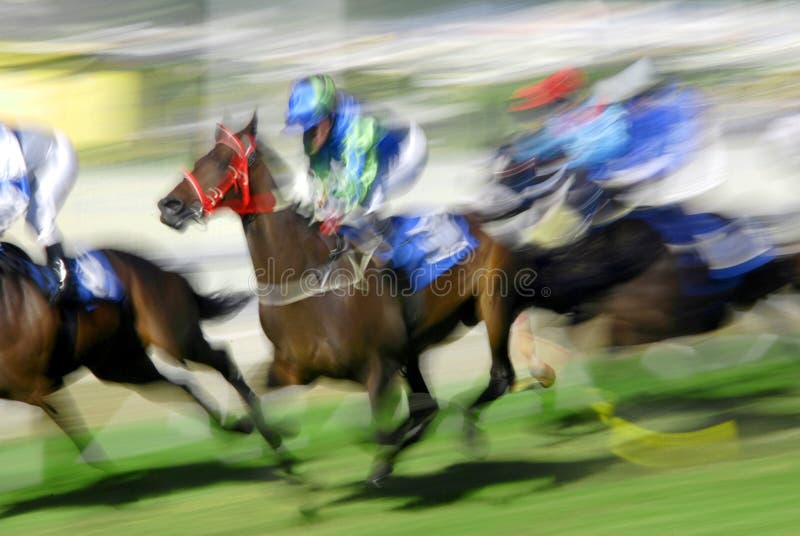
(13, 259)
(285, 180)
(278, 167)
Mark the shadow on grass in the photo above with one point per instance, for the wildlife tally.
(742, 408)
(704, 407)
(132, 486)
(458, 481)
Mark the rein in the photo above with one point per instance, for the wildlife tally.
(339, 276)
(237, 177)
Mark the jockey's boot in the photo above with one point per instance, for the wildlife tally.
(57, 262)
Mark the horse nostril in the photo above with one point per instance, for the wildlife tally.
(170, 205)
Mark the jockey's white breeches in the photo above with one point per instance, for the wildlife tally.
(52, 169)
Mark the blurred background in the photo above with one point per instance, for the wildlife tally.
(138, 87)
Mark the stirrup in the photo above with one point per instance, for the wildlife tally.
(339, 249)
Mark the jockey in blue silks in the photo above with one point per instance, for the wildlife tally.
(630, 136)
(630, 128)
(355, 160)
(38, 170)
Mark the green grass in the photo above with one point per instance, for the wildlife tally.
(548, 468)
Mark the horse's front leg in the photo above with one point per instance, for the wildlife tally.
(63, 411)
(378, 383)
(422, 409)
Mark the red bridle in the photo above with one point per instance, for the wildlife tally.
(237, 177)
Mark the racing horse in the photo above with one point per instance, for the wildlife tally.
(678, 293)
(40, 343)
(630, 159)
(363, 333)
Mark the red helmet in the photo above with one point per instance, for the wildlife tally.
(555, 86)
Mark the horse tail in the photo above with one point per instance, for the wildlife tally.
(220, 304)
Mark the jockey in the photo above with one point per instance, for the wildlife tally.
(632, 136)
(38, 171)
(574, 124)
(356, 161)
(589, 125)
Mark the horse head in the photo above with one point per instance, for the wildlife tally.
(222, 178)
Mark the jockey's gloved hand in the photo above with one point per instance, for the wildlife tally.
(319, 192)
(333, 208)
(331, 225)
(57, 262)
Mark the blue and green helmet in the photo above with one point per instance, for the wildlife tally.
(311, 100)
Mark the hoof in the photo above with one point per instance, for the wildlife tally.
(309, 512)
(541, 378)
(545, 375)
(243, 425)
(475, 440)
(286, 461)
(382, 470)
(288, 428)
(529, 384)
(94, 456)
(389, 439)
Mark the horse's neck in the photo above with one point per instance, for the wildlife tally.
(282, 245)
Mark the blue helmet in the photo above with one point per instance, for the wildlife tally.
(310, 101)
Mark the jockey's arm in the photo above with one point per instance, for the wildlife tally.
(14, 186)
(12, 167)
(319, 171)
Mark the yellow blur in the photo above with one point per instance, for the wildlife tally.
(92, 108)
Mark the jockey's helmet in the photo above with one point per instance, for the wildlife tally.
(311, 100)
(553, 88)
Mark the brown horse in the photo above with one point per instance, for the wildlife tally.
(653, 305)
(41, 343)
(364, 334)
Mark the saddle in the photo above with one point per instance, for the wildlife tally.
(95, 278)
(418, 248)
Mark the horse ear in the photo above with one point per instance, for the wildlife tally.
(226, 120)
(252, 126)
(227, 117)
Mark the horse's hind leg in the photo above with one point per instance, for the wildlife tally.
(185, 380)
(200, 351)
(139, 369)
(175, 329)
(222, 362)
